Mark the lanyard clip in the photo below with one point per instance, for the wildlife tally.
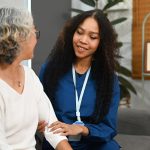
(77, 113)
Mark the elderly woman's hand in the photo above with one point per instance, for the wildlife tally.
(68, 129)
(41, 126)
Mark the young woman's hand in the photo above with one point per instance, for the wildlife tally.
(41, 126)
(68, 129)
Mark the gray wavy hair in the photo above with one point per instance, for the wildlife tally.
(15, 26)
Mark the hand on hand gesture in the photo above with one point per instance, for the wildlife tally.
(66, 129)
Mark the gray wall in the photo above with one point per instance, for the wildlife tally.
(49, 18)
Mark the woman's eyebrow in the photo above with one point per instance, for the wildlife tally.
(93, 32)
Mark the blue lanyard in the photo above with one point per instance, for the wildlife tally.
(79, 99)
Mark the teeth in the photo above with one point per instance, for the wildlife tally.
(81, 48)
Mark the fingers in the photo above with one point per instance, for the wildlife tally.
(65, 134)
(41, 122)
(60, 130)
(41, 126)
(56, 127)
(59, 127)
(63, 131)
(54, 124)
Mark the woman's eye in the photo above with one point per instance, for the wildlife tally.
(79, 32)
(92, 37)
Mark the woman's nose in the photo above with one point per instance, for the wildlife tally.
(84, 39)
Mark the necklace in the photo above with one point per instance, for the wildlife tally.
(19, 83)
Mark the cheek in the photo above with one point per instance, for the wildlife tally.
(74, 41)
(33, 39)
(75, 38)
(33, 42)
(95, 45)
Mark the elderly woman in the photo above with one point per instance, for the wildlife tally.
(22, 100)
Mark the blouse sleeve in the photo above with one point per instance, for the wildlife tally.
(106, 129)
(46, 112)
(3, 142)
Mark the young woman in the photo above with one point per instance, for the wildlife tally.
(79, 77)
(22, 100)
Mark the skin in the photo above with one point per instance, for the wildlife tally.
(85, 42)
(28, 45)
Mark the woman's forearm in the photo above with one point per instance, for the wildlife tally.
(63, 145)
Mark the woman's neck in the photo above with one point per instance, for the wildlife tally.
(82, 65)
(9, 67)
(13, 75)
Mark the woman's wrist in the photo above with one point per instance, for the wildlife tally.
(85, 131)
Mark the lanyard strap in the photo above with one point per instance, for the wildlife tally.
(79, 99)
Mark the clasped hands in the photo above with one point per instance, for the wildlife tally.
(63, 128)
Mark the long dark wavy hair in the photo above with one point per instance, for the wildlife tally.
(62, 56)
